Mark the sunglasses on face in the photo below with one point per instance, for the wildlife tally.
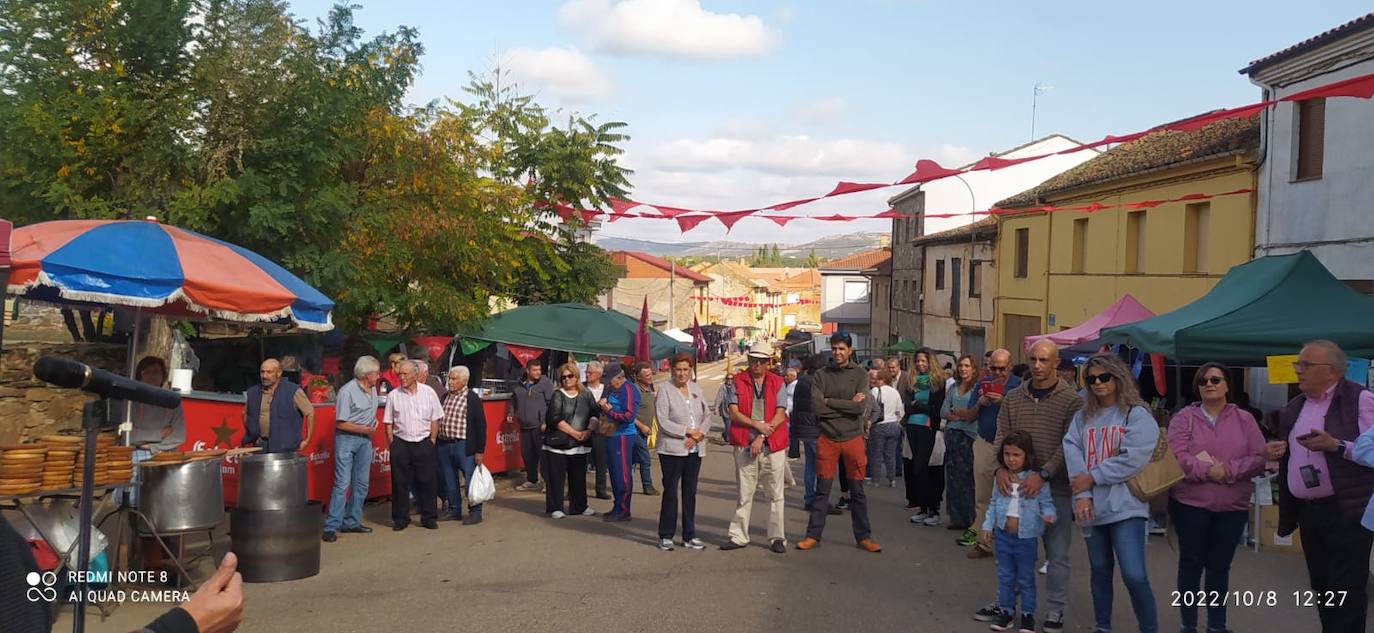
(998, 369)
(1213, 380)
(567, 376)
(1096, 378)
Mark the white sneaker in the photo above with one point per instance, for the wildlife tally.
(557, 514)
(918, 518)
(696, 544)
(665, 545)
(589, 512)
(932, 520)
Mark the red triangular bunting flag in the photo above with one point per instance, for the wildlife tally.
(834, 218)
(1361, 87)
(524, 354)
(689, 222)
(729, 218)
(853, 187)
(926, 171)
(1145, 204)
(795, 203)
(781, 220)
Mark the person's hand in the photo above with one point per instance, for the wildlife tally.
(859, 397)
(1083, 510)
(689, 443)
(985, 537)
(605, 405)
(509, 418)
(1031, 486)
(301, 448)
(766, 429)
(477, 458)
(1082, 483)
(217, 607)
(1320, 441)
(543, 428)
(1049, 518)
(992, 398)
(1217, 473)
(756, 446)
(1004, 480)
(1273, 451)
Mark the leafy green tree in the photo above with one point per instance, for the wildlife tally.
(811, 260)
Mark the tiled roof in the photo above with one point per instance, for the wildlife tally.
(986, 228)
(883, 269)
(858, 261)
(667, 266)
(1361, 23)
(1153, 151)
(809, 279)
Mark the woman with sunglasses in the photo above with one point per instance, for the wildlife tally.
(1220, 448)
(572, 416)
(1109, 441)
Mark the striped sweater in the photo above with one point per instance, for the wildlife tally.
(1046, 420)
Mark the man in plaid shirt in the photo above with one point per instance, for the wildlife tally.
(462, 440)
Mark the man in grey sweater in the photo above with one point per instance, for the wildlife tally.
(838, 399)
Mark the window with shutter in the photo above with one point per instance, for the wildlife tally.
(1311, 141)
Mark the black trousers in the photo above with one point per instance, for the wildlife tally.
(675, 469)
(599, 460)
(1337, 551)
(413, 469)
(571, 469)
(927, 495)
(532, 453)
(1207, 542)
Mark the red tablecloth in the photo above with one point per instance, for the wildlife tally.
(216, 424)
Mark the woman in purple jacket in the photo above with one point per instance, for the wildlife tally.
(1220, 448)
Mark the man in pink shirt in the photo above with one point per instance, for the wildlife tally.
(411, 418)
(1322, 490)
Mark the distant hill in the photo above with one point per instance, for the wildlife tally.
(830, 247)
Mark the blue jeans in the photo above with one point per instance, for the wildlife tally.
(646, 476)
(352, 469)
(1015, 570)
(1123, 542)
(453, 457)
(809, 471)
(619, 451)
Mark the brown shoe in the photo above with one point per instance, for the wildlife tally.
(808, 543)
(977, 551)
(870, 545)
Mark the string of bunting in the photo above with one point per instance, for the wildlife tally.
(743, 301)
(926, 170)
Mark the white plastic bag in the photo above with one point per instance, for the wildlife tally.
(482, 488)
(937, 456)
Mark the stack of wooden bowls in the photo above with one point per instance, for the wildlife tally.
(121, 464)
(57, 470)
(21, 468)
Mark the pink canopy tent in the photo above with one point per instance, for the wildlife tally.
(1125, 310)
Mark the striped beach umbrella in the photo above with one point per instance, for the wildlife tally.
(161, 270)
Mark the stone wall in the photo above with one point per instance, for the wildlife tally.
(29, 407)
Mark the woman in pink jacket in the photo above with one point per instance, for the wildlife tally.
(1220, 448)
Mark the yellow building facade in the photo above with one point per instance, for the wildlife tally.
(1057, 269)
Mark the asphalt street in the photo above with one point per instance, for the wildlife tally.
(520, 571)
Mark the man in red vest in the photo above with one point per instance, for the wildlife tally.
(758, 433)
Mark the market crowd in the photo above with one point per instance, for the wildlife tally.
(1010, 459)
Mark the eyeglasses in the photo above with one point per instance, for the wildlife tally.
(1303, 365)
(1214, 380)
(1096, 378)
(567, 376)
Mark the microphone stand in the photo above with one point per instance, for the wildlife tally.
(93, 415)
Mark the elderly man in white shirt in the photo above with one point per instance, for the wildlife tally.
(884, 430)
(412, 417)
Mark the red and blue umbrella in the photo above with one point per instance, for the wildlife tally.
(160, 269)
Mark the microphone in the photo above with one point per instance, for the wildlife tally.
(69, 373)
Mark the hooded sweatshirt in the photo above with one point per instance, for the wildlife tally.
(1113, 447)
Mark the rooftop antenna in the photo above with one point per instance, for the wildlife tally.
(1036, 91)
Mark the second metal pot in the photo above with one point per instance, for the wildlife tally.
(272, 481)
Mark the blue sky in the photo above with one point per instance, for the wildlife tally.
(736, 104)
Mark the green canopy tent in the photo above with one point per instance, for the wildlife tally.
(903, 346)
(572, 327)
(1266, 307)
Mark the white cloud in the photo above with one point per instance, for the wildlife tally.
(785, 156)
(821, 111)
(564, 73)
(679, 29)
(951, 155)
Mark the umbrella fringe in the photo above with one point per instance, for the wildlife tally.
(156, 302)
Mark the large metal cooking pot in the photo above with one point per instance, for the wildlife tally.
(277, 545)
(271, 481)
(182, 497)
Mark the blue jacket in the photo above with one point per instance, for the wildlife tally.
(1363, 453)
(624, 403)
(1032, 509)
(1112, 447)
